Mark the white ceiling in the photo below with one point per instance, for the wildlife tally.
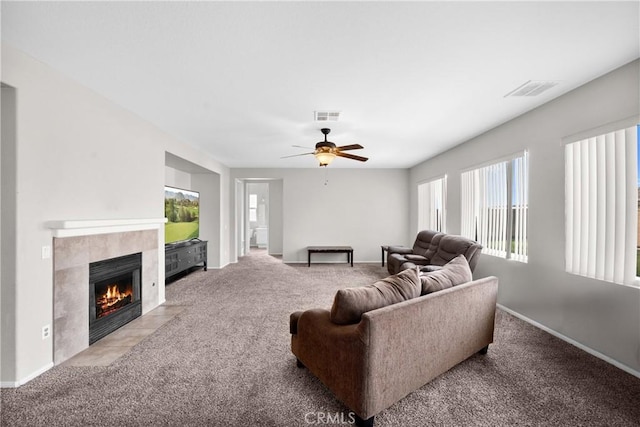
(241, 80)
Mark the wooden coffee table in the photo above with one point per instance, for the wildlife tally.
(330, 249)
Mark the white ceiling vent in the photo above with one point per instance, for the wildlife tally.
(326, 116)
(533, 88)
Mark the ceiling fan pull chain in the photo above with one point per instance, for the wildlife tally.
(326, 176)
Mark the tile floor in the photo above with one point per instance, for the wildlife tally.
(117, 343)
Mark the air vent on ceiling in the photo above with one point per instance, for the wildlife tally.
(533, 88)
(326, 116)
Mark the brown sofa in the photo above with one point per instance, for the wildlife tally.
(431, 250)
(395, 349)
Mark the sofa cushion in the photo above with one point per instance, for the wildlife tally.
(427, 242)
(416, 259)
(455, 272)
(350, 303)
(451, 246)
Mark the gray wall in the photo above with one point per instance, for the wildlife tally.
(604, 317)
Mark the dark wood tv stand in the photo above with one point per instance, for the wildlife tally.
(181, 256)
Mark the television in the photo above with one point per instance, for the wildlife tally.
(182, 210)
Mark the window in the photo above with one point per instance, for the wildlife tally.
(495, 203)
(601, 206)
(431, 204)
(253, 205)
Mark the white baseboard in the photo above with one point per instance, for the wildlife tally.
(23, 381)
(220, 267)
(572, 342)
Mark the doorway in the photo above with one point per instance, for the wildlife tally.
(259, 219)
(257, 216)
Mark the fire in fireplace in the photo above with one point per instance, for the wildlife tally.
(114, 294)
(110, 297)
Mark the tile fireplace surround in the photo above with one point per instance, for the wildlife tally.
(71, 257)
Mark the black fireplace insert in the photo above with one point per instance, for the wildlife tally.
(115, 294)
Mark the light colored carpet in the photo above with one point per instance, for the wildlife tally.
(225, 361)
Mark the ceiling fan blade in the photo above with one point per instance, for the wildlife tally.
(296, 155)
(349, 147)
(301, 146)
(351, 156)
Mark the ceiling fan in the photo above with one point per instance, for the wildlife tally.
(326, 151)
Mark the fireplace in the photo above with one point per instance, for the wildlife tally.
(115, 296)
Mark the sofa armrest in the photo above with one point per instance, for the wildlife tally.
(399, 250)
(316, 325)
(293, 322)
(335, 354)
(430, 268)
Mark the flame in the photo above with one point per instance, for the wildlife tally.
(111, 300)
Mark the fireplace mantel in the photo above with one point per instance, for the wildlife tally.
(73, 228)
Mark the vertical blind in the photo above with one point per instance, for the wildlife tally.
(495, 207)
(431, 205)
(520, 204)
(601, 206)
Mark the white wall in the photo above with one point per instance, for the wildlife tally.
(363, 208)
(208, 184)
(177, 178)
(79, 156)
(602, 316)
(276, 215)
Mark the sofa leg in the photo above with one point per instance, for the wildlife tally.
(299, 364)
(364, 423)
(484, 350)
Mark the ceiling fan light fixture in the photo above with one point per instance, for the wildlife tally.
(324, 157)
(326, 151)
